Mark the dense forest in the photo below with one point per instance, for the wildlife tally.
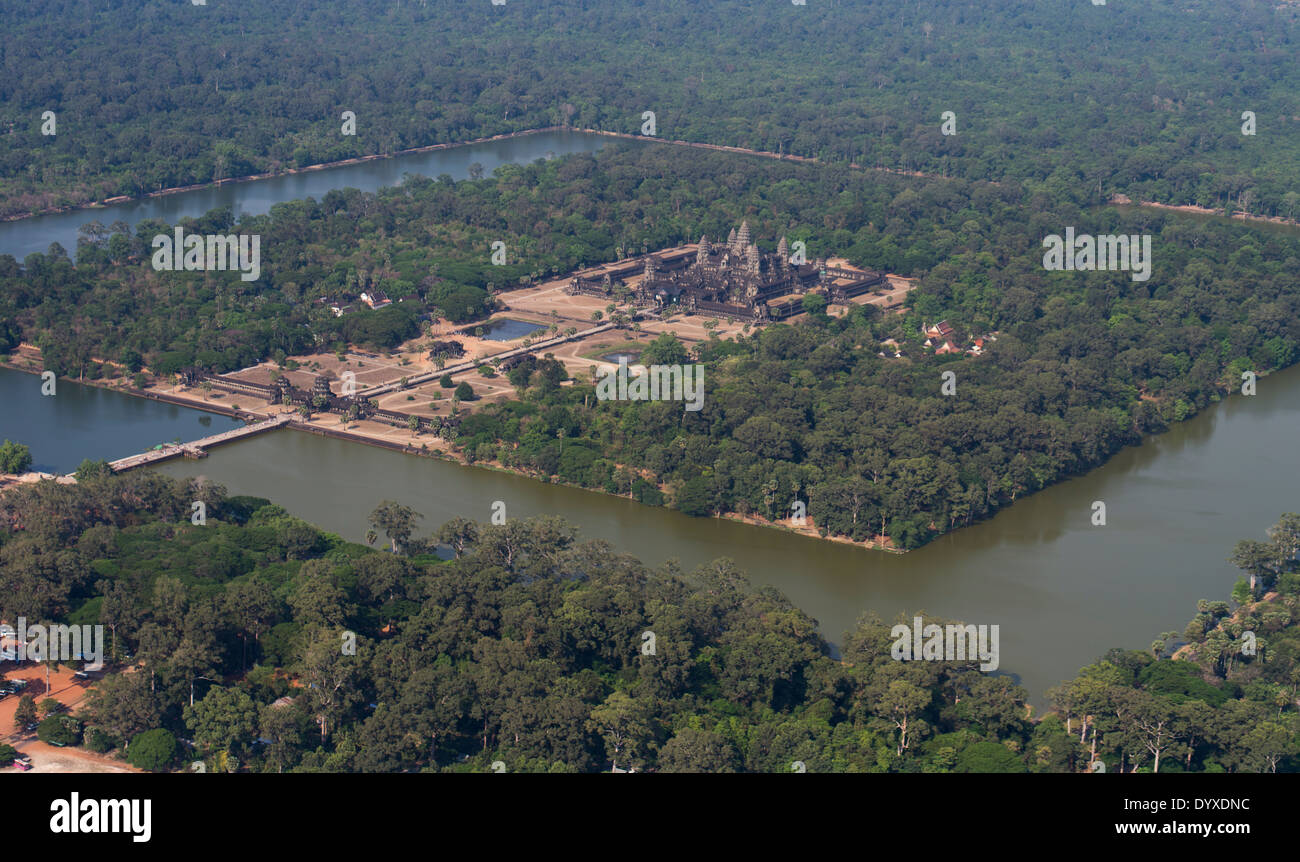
(271, 646)
(1077, 99)
(1084, 362)
(253, 641)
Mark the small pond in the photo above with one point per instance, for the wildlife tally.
(506, 329)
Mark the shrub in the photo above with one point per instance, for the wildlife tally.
(98, 741)
(58, 730)
(153, 750)
(14, 457)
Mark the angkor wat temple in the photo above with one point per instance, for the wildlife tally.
(736, 280)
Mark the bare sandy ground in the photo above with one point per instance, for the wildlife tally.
(64, 687)
(49, 758)
(69, 691)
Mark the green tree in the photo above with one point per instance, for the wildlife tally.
(694, 498)
(14, 457)
(397, 522)
(814, 304)
(692, 750)
(666, 349)
(92, 470)
(226, 719)
(281, 726)
(902, 703)
(621, 724)
(329, 676)
(153, 750)
(25, 714)
(58, 730)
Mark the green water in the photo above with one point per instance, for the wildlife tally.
(1062, 590)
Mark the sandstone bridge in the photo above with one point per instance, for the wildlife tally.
(198, 448)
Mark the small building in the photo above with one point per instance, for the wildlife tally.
(375, 298)
(338, 306)
(942, 329)
(946, 348)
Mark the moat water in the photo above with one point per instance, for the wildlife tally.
(1062, 590)
(85, 422)
(21, 238)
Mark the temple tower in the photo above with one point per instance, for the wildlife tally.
(743, 239)
(702, 256)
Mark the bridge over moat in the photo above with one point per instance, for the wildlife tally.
(198, 448)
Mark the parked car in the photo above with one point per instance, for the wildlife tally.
(23, 765)
(81, 674)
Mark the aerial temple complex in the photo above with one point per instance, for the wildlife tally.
(737, 280)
